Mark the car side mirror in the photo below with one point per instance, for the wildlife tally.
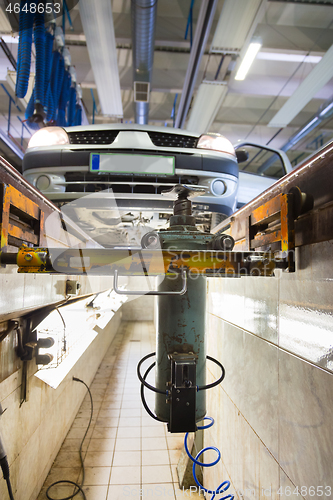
(242, 155)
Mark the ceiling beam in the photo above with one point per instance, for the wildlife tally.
(203, 27)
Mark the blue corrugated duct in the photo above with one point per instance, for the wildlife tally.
(52, 94)
(64, 98)
(31, 106)
(26, 20)
(39, 39)
(71, 107)
(78, 115)
(56, 81)
(48, 102)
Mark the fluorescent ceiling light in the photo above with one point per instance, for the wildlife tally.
(207, 102)
(275, 56)
(97, 22)
(247, 61)
(319, 76)
(234, 25)
(10, 39)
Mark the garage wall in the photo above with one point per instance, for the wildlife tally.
(34, 432)
(273, 411)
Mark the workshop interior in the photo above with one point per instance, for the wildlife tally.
(166, 246)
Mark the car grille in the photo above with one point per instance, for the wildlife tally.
(172, 140)
(145, 184)
(108, 136)
(93, 137)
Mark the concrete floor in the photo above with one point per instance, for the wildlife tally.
(127, 454)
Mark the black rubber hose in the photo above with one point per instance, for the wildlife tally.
(5, 470)
(144, 402)
(142, 380)
(218, 381)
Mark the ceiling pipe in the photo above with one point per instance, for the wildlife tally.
(306, 2)
(324, 112)
(204, 23)
(143, 42)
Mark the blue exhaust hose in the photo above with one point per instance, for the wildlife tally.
(71, 107)
(54, 72)
(30, 111)
(78, 115)
(60, 78)
(48, 103)
(64, 98)
(31, 106)
(51, 111)
(24, 49)
(56, 80)
(39, 39)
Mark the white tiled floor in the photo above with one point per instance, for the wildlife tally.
(127, 454)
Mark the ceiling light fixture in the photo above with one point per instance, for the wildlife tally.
(207, 102)
(98, 28)
(248, 59)
(238, 20)
(283, 57)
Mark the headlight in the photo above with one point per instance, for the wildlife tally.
(49, 136)
(217, 142)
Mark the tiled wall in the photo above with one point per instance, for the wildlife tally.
(139, 309)
(273, 412)
(34, 433)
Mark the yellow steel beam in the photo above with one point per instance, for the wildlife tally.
(103, 261)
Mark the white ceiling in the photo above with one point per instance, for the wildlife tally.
(287, 28)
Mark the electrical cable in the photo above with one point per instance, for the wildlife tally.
(218, 381)
(142, 379)
(65, 481)
(201, 388)
(5, 470)
(223, 486)
(4, 464)
(143, 399)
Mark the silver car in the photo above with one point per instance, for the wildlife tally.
(136, 162)
(259, 167)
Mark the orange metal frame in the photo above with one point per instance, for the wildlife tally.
(270, 225)
(27, 226)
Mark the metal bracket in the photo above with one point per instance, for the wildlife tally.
(154, 292)
(183, 392)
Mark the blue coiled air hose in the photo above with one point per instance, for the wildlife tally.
(26, 20)
(223, 486)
